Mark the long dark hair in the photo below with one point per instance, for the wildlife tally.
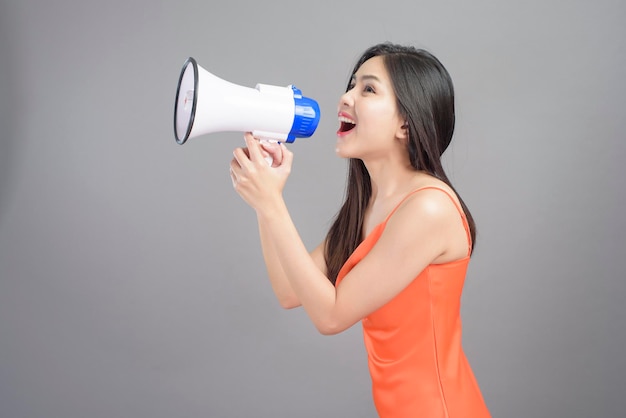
(425, 99)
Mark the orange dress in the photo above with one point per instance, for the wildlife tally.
(413, 343)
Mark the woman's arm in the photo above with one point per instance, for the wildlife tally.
(280, 284)
(415, 236)
(394, 261)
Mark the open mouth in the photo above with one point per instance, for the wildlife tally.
(347, 124)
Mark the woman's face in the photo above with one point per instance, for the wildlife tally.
(368, 116)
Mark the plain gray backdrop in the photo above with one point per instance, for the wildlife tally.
(131, 277)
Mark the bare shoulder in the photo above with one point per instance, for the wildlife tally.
(431, 214)
(430, 196)
(429, 205)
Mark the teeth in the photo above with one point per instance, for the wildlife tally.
(346, 120)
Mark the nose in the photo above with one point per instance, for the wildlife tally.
(346, 100)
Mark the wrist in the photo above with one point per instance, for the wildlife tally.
(274, 208)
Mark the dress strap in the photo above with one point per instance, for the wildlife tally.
(458, 207)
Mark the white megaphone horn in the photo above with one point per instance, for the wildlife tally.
(205, 103)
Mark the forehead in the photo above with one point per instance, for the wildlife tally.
(374, 66)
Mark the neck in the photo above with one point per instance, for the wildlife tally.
(390, 177)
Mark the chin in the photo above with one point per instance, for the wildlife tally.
(342, 152)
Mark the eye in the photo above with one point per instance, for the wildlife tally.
(368, 89)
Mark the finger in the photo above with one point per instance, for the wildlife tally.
(287, 156)
(273, 150)
(254, 148)
(241, 157)
(233, 178)
(234, 167)
(264, 152)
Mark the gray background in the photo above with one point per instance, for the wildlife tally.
(131, 279)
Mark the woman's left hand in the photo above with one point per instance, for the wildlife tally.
(253, 178)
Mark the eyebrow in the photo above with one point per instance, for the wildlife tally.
(366, 77)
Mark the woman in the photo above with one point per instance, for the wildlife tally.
(396, 256)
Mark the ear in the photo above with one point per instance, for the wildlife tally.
(403, 131)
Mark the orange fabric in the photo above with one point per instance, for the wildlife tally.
(413, 343)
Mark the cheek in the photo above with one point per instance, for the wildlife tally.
(382, 112)
(381, 123)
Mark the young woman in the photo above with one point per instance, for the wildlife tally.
(397, 254)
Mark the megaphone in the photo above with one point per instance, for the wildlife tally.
(205, 103)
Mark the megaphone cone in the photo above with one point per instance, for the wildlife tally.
(205, 103)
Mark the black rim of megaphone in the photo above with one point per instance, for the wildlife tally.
(193, 62)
